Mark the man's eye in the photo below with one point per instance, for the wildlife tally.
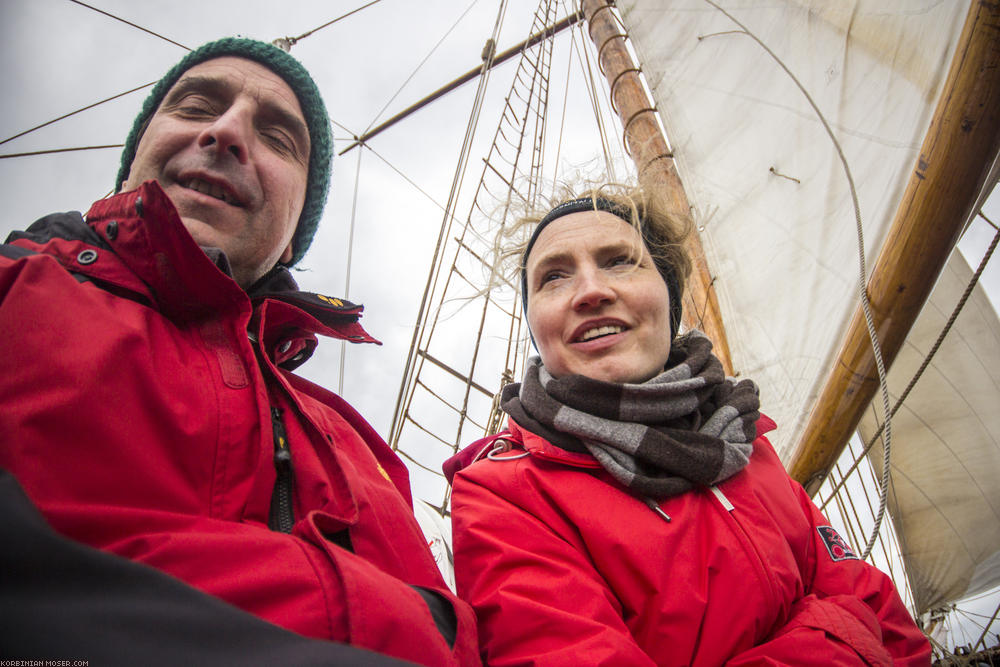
(194, 107)
(280, 140)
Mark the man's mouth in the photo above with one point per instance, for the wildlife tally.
(597, 332)
(212, 190)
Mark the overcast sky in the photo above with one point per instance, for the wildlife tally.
(60, 56)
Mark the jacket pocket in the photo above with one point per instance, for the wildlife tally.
(384, 613)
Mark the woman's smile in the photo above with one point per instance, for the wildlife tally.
(597, 306)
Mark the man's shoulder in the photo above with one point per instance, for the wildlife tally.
(68, 225)
(48, 233)
(64, 237)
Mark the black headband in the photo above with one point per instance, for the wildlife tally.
(648, 237)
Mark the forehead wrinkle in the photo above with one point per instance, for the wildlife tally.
(211, 85)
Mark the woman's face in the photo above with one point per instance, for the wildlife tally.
(597, 306)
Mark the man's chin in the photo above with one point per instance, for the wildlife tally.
(202, 232)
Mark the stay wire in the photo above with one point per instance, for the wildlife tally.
(562, 119)
(865, 306)
(350, 257)
(290, 40)
(90, 106)
(73, 113)
(60, 150)
(407, 178)
(139, 27)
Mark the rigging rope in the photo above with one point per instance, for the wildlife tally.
(982, 637)
(344, 128)
(865, 306)
(419, 66)
(927, 358)
(514, 156)
(350, 257)
(595, 103)
(291, 41)
(287, 43)
(562, 120)
(446, 222)
(118, 18)
(407, 179)
(60, 150)
(73, 113)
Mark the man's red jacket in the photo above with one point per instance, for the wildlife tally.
(146, 399)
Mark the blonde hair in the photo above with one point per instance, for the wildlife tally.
(662, 229)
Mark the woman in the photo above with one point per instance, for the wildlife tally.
(634, 513)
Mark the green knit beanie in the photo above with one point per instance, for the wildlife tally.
(298, 79)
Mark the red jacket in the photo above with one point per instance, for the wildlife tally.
(138, 419)
(564, 567)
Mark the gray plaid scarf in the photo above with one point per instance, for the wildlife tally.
(687, 426)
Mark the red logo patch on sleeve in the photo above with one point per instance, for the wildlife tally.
(836, 545)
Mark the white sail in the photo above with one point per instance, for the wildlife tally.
(772, 204)
(943, 496)
(770, 196)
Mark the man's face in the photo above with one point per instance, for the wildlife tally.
(230, 146)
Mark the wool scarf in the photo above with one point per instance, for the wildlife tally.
(687, 426)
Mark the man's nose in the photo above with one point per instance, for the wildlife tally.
(230, 133)
(592, 289)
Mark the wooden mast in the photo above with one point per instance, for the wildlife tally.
(646, 143)
(951, 171)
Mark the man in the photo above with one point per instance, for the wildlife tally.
(149, 408)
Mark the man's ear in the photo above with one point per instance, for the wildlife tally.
(286, 254)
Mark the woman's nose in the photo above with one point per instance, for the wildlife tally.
(230, 133)
(592, 289)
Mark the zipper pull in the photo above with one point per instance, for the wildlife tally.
(722, 498)
(281, 517)
(282, 454)
(653, 505)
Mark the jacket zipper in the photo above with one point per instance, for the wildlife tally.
(756, 558)
(282, 517)
(722, 498)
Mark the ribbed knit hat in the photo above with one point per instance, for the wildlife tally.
(298, 79)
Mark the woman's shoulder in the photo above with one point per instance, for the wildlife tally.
(513, 444)
(522, 468)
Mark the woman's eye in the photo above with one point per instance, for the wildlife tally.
(549, 277)
(623, 260)
(279, 140)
